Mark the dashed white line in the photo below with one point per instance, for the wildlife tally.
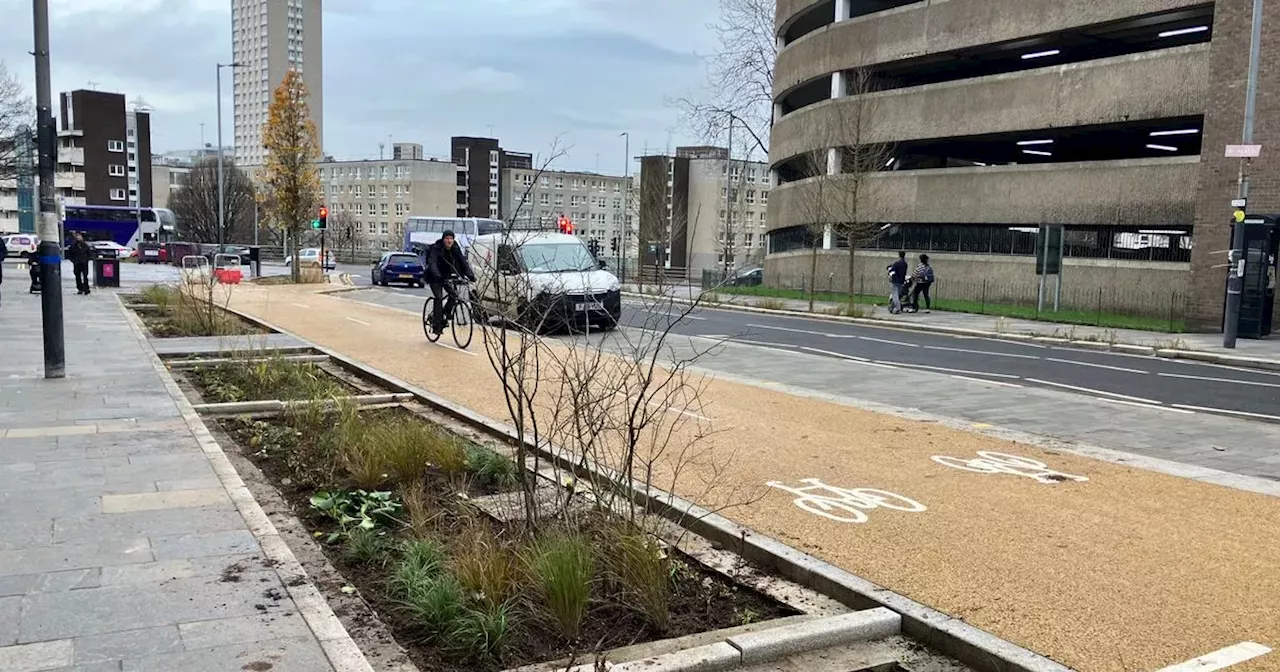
(959, 371)
(1090, 390)
(1219, 380)
(883, 340)
(1222, 658)
(359, 321)
(1141, 405)
(980, 352)
(840, 355)
(301, 305)
(803, 331)
(989, 382)
(1096, 366)
(450, 347)
(1243, 414)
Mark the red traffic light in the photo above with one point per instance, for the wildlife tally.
(324, 212)
(566, 226)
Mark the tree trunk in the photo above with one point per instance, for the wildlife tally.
(853, 249)
(813, 274)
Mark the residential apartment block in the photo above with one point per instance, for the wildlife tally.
(100, 142)
(480, 165)
(1109, 118)
(599, 206)
(269, 38)
(378, 195)
(700, 210)
(18, 195)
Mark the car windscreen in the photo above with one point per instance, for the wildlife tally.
(402, 259)
(557, 258)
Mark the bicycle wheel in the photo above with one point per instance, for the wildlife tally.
(428, 307)
(463, 326)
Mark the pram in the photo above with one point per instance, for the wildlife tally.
(904, 298)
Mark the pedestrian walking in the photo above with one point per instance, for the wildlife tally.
(4, 253)
(897, 278)
(79, 254)
(923, 276)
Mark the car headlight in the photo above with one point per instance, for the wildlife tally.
(615, 286)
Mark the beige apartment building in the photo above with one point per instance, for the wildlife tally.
(599, 206)
(269, 38)
(701, 211)
(379, 195)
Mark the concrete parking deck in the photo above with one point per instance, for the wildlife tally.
(1096, 565)
(123, 542)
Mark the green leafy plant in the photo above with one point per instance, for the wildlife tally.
(421, 563)
(481, 633)
(638, 565)
(491, 468)
(365, 547)
(358, 509)
(434, 604)
(562, 568)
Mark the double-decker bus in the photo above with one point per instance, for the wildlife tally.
(125, 225)
(421, 232)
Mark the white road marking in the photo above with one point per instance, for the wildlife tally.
(1090, 390)
(1242, 414)
(302, 305)
(989, 382)
(450, 347)
(959, 371)
(766, 344)
(882, 340)
(1222, 658)
(359, 321)
(1140, 405)
(1219, 380)
(1096, 366)
(678, 411)
(980, 352)
(841, 355)
(803, 331)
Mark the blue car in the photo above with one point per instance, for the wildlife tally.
(399, 267)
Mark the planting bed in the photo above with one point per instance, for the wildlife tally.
(177, 312)
(389, 496)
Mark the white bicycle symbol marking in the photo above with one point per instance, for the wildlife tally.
(851, 502)
(988, 462)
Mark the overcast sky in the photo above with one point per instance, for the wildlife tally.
(415, 70)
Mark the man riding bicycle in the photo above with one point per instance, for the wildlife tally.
(445, 261)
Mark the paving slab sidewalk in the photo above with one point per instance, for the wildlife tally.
(122, 544)
(1265, 349)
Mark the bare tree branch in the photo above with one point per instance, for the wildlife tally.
(195, 205)
(17, 115)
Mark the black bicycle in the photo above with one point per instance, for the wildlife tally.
(460, 321)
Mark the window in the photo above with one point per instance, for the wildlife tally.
(115, 170)
(559, 183)
(384, 208)
(117, 194)
(115, 146)
(383, 229)
(544, 199)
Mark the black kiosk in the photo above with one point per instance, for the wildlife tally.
(1258, 293)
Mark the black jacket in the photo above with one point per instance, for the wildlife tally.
(442, 262)
(79, 252)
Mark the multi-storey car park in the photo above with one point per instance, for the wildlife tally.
(996, 116)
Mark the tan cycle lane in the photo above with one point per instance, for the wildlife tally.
(1127, 570)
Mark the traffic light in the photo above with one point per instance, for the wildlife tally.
(323, 221)
(566, 226)
(613, 244)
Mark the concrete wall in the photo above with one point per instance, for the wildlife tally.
(937, 26)
(1134, 192)
(1174, 83)
(1146, 288)
(789, 8)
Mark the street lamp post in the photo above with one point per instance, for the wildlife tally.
(49, 251)
(1235, 277)
(626, 209)
(222, 215)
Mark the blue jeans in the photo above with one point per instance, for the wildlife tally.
(895, 297)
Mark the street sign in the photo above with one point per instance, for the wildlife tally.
(1239, 202)
(1244, 151)
(1049, 250)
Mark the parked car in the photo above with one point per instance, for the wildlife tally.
(150, 252)
(178, 250)
(398, 267)
(112, 247)
(311, 257)
(748, 277)
(22, 245)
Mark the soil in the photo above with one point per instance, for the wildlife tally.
(161, 326)
(700, 600)
(215, 385)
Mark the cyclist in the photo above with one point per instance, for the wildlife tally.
(445, 261)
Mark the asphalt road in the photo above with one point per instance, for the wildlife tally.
(1118, 378)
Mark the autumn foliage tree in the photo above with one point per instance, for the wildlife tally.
(290, 180)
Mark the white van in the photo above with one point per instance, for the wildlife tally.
(546, 279)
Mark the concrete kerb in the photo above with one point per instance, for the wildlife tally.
(981, 650)
(341, 650)
(1127, 348)
(275, 405)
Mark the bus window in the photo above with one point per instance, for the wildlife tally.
(468, 226)
(487, 226)
(148, 215)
